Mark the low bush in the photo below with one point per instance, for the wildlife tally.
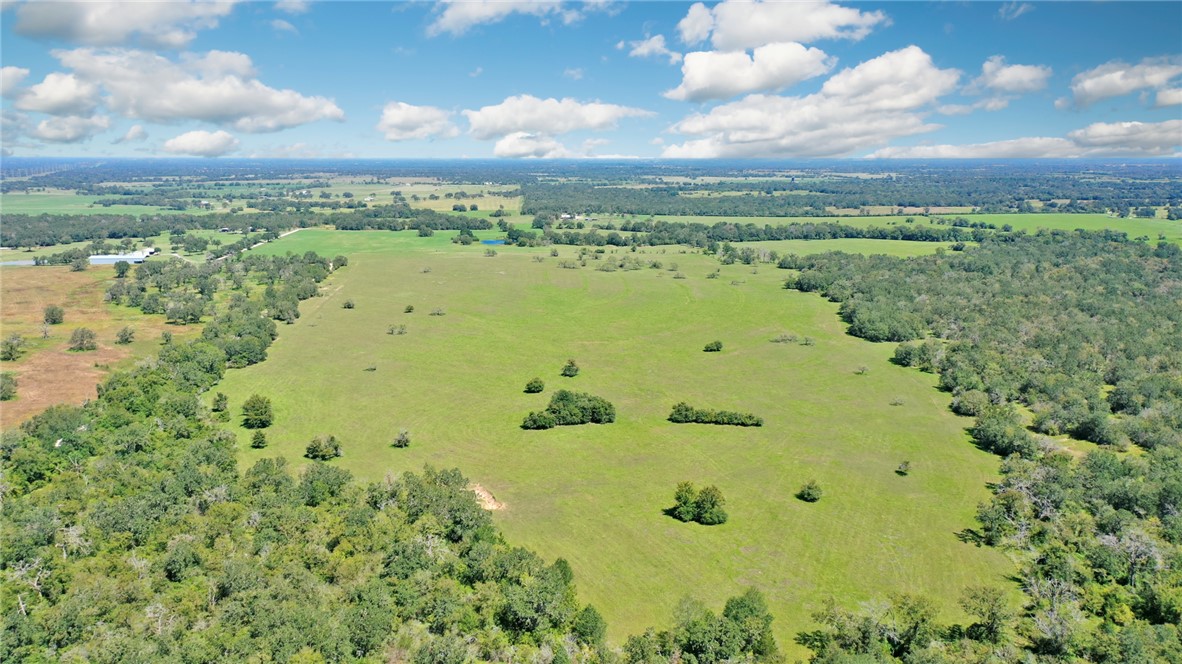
(683, 413)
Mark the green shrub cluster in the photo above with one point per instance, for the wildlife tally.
(684, 413)
(704, 507)
(570, 408)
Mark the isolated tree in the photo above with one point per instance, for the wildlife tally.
(7, 386)
(810, 492)
(323, 448)
(713, 347)
(82, 339)
(534, 386)
(125, 336)
(410, 309)
(685, 502)
(121, 269)
(708, 506)
(10, 348)
(402, 439)
(348, 304)
(904, 468)
(256, 412)
(54, 315)
(570, 369)
(258, 440)
(166, 338)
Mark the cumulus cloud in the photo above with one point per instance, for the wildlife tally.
(403, 122)
(10, 78)
(1116, 78)
(281, 25)
(163, 24)
(202, 143)
(548, 117)
(857, 109)
(70, 128)
(521, 144)
(1101, 139)
(217, 87)
(650, 47)
(59, 94)
(135, 134)
(458, 16)
(1012, 10)
(742, 24)
(1170, 97)
(718, 74)
(573, 73)
(997, 76)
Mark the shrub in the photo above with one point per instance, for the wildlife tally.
(348, 304)
(54, 315)
(125, 336)
(785, 338)
(258, 440)
(437, 311)
(810, 492)
(83, 339)
(256, 412)
(79, 265)
(396, 330)
(402, 439)
(570, 369)
(683, 413)
(410, 309)
(568, 408)
(713, 347)
(904, 468)
(704, 507)
(323, 448)
(10, 348)
(7, 386)
(534, 386)
(220, 402)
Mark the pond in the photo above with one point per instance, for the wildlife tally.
(492, 242)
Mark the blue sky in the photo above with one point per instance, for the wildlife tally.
(518, 79)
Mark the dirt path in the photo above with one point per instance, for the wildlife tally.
(487, 500)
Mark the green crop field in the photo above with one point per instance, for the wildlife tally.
(595, 494)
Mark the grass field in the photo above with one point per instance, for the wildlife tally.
(61, 201)
(594, 495)
(48, 373)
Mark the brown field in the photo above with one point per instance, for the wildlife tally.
(47, 373)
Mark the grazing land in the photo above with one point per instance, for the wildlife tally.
(595, 494)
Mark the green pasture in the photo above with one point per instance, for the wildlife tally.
(595, 494)
(61, 201)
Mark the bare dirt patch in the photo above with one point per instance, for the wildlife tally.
(487, 500)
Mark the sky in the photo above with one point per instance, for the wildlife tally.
(601, 79)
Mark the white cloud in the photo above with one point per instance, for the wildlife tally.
(573, 73)
(476, 72)
(1136, 139)
(217, 87)
(10, 78)
(742, 24)
(458, 16)
(202, 143)
(1116, 78)
(135, 134)
(997, 76)
(521, 144)
(283, 26)
(1169, 97)
(651, 47)
(531, 115)
(59, 94)
(164, 24)
(70, 128)
(403, 122)
(857, 109)
(718, 75)
(1012, 10)
(293, 6)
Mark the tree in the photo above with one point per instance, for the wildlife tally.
(534, 386)
(685, 502)
(79, 264)
(402, 439)
(82, 339)
(904, 468)
(348, 304)
(220, 402)
(810, 492)
(256, 412)
(258, 440)
(589, 627)
(713, 347)
(570, 369)
(125, 335)
(323, 448)
(990, 607)
(709, 511)
(54, 315)
(7, 386)
(121, 269)
(10, 348)
(410, 309)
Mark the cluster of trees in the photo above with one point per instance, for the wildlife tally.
(683, 413)
(704, 506)
(742, 633)
(571, 408)
(402, 217)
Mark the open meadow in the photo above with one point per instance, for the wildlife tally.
(835, 410)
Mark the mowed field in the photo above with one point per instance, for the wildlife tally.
(47, 372)
(595, 494)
